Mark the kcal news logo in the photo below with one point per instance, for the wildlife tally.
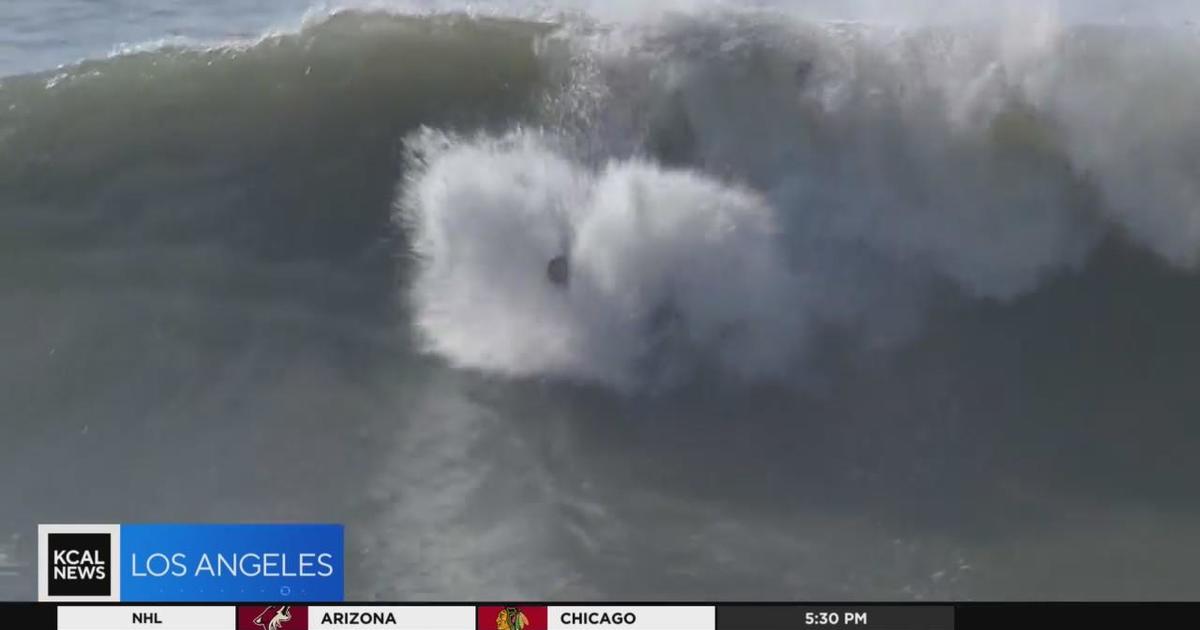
(78, 562)
(193, 563)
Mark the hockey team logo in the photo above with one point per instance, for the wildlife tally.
(272, 617)
(511, 618)
(78, 563)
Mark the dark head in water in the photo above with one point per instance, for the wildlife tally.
(558, 271)
(803, 71)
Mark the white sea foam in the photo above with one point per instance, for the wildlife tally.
(664, 265)
(824, 174)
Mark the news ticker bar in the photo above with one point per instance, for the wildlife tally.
(732, 616)
(476, 617)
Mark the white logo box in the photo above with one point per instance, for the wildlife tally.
(114, 532)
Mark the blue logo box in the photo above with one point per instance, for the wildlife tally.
(232, 563)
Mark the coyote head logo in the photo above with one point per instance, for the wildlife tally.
(273, 617)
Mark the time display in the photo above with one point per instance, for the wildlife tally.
(835, 618)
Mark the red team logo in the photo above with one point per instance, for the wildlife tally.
(272, 618)
(511, 618)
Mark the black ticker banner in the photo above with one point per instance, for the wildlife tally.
(593, 616)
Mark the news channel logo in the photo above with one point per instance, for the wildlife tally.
(191, 563)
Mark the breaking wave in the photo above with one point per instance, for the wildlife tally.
(725, 186)
(658, 259)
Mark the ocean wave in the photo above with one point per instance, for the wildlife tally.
(285, 148)
(894, 160)
(761, 176)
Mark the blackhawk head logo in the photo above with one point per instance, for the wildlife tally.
(511, 618)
